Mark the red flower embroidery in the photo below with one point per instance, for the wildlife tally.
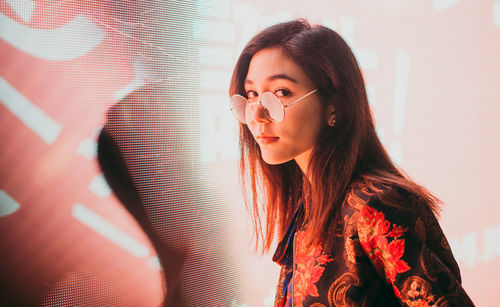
(374, 232)
(396, 231)
(418, 303)
(309, 268)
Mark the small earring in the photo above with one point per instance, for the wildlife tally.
(332, 123)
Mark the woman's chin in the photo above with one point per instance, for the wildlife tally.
(274, 160)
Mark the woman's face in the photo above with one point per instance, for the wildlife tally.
(294, 137)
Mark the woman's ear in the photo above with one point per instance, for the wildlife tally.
(330, 110)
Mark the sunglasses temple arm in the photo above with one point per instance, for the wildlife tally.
(293, 102)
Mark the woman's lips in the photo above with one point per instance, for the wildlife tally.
(267, 139)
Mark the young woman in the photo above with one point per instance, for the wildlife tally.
(354, 229)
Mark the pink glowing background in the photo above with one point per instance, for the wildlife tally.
(432, 75)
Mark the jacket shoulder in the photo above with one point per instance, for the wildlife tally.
(360, 193)
(406, 245)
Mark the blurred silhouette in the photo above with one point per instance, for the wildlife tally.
(118, 177)
(147, 158)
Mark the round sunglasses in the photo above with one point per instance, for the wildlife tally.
(271, 105)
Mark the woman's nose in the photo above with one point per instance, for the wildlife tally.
(255, 112)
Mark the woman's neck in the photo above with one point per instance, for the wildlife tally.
(302, 161)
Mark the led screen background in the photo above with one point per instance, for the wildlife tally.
(431, 70)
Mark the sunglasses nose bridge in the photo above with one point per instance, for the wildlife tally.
(257, 112)
(262, 110)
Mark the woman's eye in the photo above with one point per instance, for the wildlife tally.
(252, 94)
(282, 92)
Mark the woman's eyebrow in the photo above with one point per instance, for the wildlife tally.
(275, 77)
(282, 76)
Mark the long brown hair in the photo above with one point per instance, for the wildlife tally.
(347, 152)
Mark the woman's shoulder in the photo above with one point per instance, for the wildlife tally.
(400, 234)
(360, 192)
(384, 206)
(385, 213)
(392, 198)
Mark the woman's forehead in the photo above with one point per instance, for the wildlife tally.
(271, 64)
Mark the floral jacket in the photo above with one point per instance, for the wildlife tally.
(384, 256)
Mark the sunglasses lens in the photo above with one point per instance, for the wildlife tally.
(238, 107)
(272, 107)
